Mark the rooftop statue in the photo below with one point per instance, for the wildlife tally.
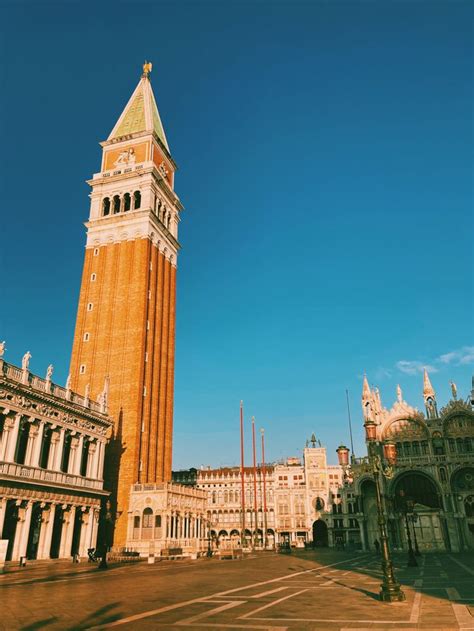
(25, 362)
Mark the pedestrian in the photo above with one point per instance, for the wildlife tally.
(376, 545)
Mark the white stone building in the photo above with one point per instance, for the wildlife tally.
(167, 519)
(293, 507)
(52, 446)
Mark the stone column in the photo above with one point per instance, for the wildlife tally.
(38, 441)
(100, 460)
(22, 533)
(3, 508)
(58, 452)
(66, 534)
(92, 542)
(88, 533)
(32, 436)
(86, 518)
(46, 535)
(91, 461)
(9, 443)
(78, 455)
(73, 456)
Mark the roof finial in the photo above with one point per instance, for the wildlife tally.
(365, 389)
(428, 390)
(147, 68)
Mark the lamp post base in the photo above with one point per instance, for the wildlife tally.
(391, 592)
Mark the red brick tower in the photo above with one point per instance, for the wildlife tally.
(125, 328)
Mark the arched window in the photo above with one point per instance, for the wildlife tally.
(84, 457)
(213, 496)
(66, 452)
(127, 202)
(137, 199)
(460, 445)
(105, 206)
(22, 442)
(116, 204)
(442, 474)
(157, 521)
(416, 448)
(226, 497)
(45, 447)
(147, 518)
(168, 220)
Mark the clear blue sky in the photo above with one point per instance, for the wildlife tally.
(325, 154)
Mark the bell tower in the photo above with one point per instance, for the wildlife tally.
(125, 327)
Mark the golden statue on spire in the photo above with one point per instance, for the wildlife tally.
(147, 68)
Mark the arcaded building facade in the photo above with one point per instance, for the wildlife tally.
(125, 328)
(431, 491)
(52, 446)
(291, 499)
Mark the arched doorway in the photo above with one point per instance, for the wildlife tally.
(369, 509)
(320, 534)
(418, 507)
(35, 530)
(9, 526)
(462, 484)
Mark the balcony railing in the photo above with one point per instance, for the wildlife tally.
(173, 488)
(42, 385)
(47, 476)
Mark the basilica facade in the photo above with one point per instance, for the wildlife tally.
(429, 495)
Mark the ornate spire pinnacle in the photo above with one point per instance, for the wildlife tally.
(147, 68)
(365, 389)
(141, 114)
(428, 390)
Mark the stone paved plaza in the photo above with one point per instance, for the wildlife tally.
(306, 590)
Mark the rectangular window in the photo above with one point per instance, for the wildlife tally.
(96, 251)
(93, 277)
(90, 306)
(86, 337)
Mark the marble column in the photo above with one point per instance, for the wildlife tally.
(78, 458)
(3, 508)
(84, 532)
(66, 534)
(91, 461)
(38, 442)
(13, 427)
(22, 534)
(46, 535)
(58, 452)
(100, 460)
(86, 544)
(32, 436)
(94, 528)
(73, 455)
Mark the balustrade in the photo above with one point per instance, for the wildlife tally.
(23, 472)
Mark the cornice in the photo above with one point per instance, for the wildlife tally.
(48, 406)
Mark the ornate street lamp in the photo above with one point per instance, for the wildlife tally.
(390, 588)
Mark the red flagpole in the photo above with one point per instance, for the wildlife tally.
(264, 488)
(254, 479)
(242, 470)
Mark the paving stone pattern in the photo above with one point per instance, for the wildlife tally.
(306, 590)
